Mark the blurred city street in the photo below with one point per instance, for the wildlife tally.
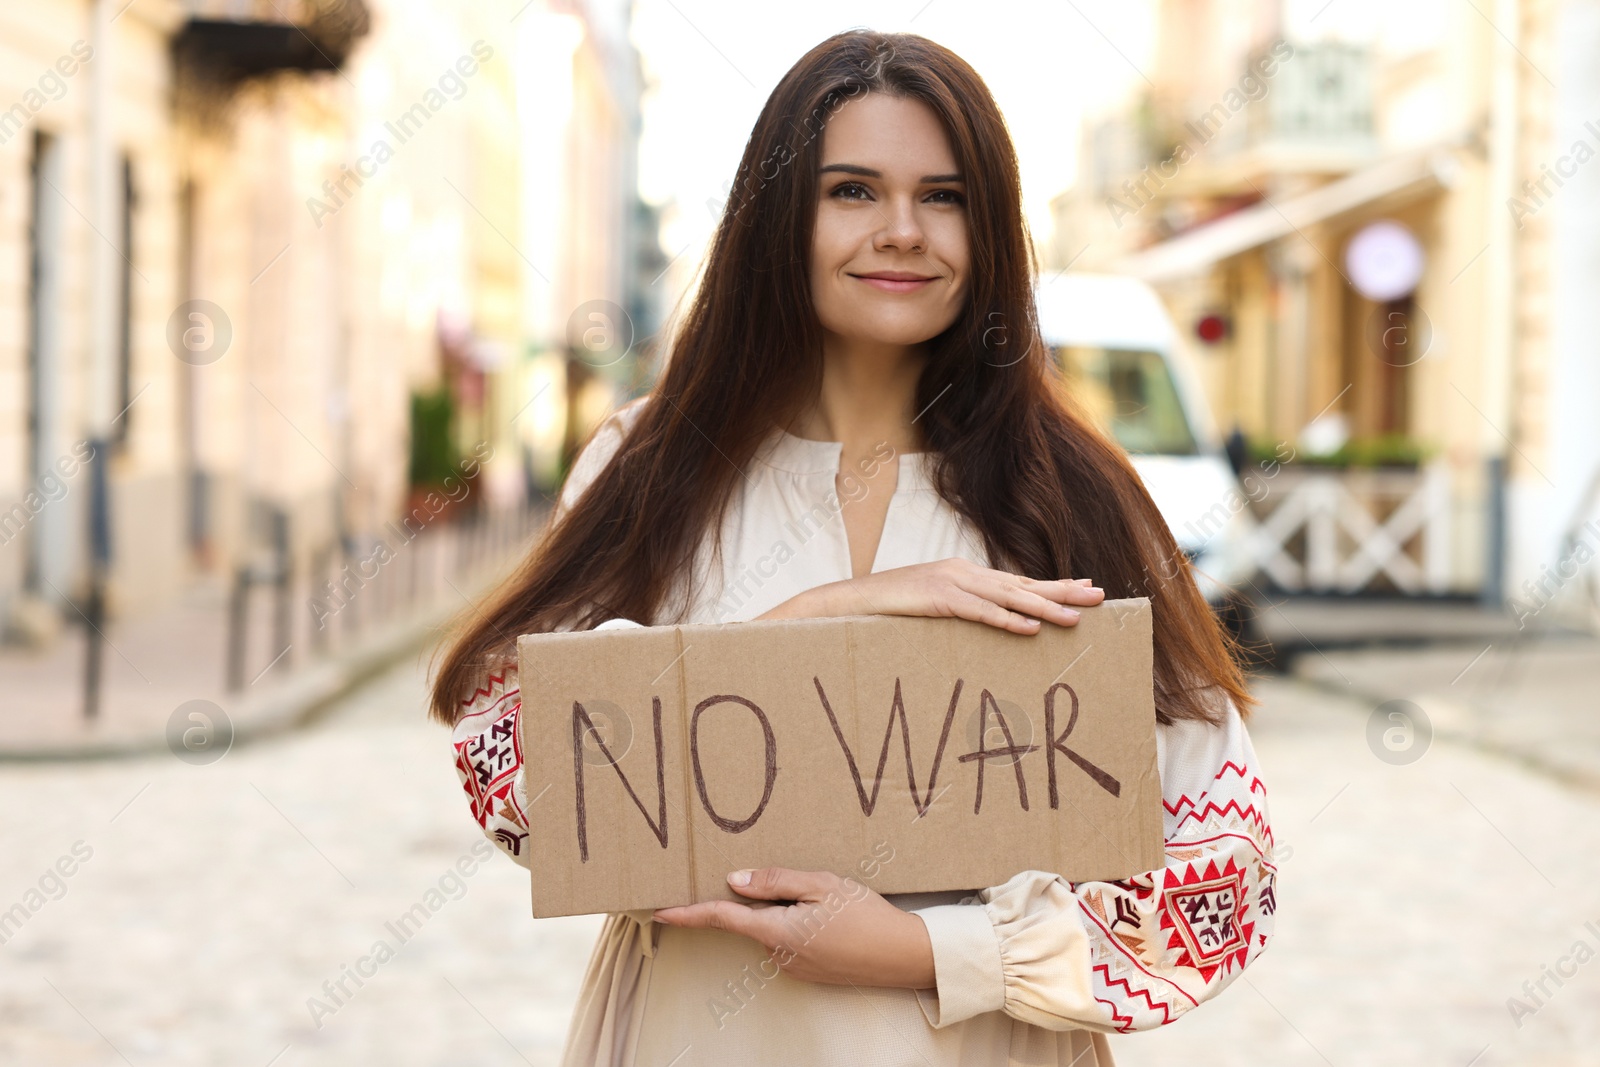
(308, 307)
(1458, 876)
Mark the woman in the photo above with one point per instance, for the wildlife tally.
(859, 417)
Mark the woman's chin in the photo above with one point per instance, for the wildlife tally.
(892, 333)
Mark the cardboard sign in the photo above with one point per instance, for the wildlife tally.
(658, 759)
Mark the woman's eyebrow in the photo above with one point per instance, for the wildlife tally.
(868, 172)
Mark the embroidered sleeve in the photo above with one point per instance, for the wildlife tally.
(487, 741)
(489, 763)
(1132, 954)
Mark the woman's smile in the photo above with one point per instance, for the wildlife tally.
(896, 281)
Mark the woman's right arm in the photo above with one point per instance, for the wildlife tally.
(487, 740)
(488, 749)
(488, 744)
(947, 588)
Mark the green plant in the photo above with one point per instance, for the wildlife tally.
(433, 451)
(1379, 450)
(1384, 450)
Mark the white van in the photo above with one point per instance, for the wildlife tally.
(1126, 367)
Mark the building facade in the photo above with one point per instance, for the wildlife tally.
(1376, 239)
(238, 237)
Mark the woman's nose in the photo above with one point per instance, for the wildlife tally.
(900, 229)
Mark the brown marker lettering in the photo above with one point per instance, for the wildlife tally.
(897, 709)
(730, 825)
(582, 724)
(1101, 778)
(985, 754)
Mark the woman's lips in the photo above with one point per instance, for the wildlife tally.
(892, 284)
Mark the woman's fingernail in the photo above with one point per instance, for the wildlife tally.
(1068, 613)
(1085, 581)
(739, 878)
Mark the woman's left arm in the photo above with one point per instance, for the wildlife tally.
(1131, 954)
(1109, 956)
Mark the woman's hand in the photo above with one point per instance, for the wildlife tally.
(948, 588)
(838, 930)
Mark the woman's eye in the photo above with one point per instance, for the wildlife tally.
(949, 196)
(848, 191)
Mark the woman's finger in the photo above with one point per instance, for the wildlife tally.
(782, 883)
(1061, 590)
(727, 915)
(1086, 592)
(969, 605)
(1005, 590)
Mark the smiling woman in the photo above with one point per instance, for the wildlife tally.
(876, 227)
(855, 298)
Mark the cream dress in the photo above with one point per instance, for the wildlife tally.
(1034, 971)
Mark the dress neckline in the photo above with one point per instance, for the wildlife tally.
(804, 455)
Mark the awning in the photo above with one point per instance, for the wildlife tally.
(1197, 249)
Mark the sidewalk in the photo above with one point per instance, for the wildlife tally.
(164, 685)
(157, 665)
(1526, 695)
(1297, 624)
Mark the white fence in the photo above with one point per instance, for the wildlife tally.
(1340, 530)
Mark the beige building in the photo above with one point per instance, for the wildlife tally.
(242, 233)
(1339, 221)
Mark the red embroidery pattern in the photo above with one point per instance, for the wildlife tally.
(1204, 917)
(488, 761)
(1170, 948)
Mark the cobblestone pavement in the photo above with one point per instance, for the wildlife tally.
(208, 904)
(218, 899)
(1414, 901)
(1530, 696)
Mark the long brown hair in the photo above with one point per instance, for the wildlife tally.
(1051, 496)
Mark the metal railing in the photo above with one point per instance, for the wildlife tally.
(410, 572)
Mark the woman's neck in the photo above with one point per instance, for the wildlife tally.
(867, 396)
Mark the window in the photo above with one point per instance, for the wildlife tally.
(124, 383)
(1131, 394)
(46, 539)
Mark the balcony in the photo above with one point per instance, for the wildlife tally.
(230, 40)
(1320, 100)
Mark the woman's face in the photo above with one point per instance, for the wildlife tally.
(889, 250)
